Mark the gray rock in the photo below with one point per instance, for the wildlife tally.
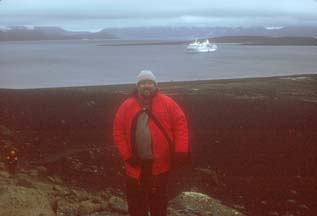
(62, 191)
(55, 179)
(24, 183)
(23, 176)
(66, 208)
(105, 194)
(4, 174)
(118, 204)
(21, 201)
(81, 195)
(6, 131)
(294, 192)
(193, 203)
(291, 201)
(106, 213)
(173, 212)
(104, 206)
(303, 206)
(88, 207)
(34, 173)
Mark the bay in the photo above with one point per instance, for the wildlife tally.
(43, 64)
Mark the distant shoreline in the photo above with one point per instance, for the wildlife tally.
(168, 84)
(236, 40)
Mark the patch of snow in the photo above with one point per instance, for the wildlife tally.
(274, 27)
(29, 27)
(4, 28)
(295, 78)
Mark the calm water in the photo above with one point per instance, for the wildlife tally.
(76, 63)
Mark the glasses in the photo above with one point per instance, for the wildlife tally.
(146, 83)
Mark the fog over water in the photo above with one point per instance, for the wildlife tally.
(42, 64)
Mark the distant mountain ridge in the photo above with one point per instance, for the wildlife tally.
(243, 35)
(263, 40)
(23, 33)
(190, 33)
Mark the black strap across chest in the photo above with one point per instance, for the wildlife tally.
(156, 122)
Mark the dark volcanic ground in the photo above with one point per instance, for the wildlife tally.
(253, 141)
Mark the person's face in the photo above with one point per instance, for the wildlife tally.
(146, 88)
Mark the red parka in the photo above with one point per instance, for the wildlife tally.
(172, 119)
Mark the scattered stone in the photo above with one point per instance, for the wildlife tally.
(273, 213)
(88, 207)
(106, 213)
(204, 171)
(104, 205)
(291, 201)
(4, 174)
(293, 192)
(173, 212)
(23, 177)
(34, 173)
(65, 208)
(25, 183)
(236, 206)
(21, 201)
(5, 131)
(55, 179)
(105, 194)
(303, 206)
(61, 190)
(50, 178)
(42, 169)
(118, 204)
(91, 103)
(81, 195)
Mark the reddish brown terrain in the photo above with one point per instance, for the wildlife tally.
(253, 141)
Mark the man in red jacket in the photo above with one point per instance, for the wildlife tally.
(151, 135)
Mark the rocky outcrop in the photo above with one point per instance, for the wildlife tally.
(22, 201)
(193, 203)
(33, 192)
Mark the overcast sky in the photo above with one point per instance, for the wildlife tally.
(98, 14)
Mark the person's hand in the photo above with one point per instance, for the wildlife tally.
(134, 161)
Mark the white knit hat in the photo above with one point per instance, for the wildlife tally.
(146, 75)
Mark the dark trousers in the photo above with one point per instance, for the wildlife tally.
(148, 194)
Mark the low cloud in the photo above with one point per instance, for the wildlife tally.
(111, 13)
